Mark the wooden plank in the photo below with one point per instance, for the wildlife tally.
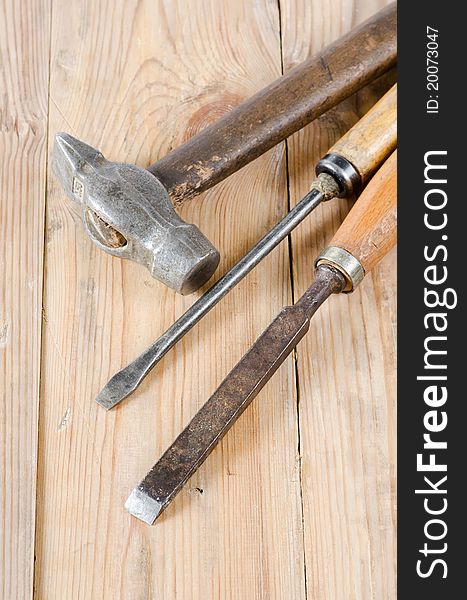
(346, 365)
(24, 71)
(135, 78)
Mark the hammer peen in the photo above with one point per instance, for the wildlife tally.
(128, 211)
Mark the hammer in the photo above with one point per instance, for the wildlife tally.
(129, 211)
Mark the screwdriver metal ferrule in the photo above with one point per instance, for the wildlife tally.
(343, 172)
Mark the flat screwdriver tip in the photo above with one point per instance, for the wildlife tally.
(121, 385)
(141, 506)
(106, 399)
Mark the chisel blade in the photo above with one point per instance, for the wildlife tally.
(228, 402)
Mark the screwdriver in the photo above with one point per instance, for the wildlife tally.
(365, 236)
(341, 173)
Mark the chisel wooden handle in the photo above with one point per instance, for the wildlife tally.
(373, 138)
(285, 106)
(369, 230)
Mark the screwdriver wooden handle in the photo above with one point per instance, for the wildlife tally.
(373, 138)
(369, 230)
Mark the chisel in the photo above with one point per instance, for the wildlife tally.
(366, 235)
(342, 172)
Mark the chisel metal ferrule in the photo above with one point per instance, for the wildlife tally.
(346, 263)
(343, 172)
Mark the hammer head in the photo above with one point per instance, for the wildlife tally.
(127, 212)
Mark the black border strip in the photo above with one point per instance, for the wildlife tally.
(421, 132)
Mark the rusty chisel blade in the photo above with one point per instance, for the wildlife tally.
(232, 397)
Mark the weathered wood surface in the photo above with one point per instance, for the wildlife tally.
(134, 79)
(298, 501)
(345, 365)
(24, 75)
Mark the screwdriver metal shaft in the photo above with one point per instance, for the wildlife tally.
(123, 383)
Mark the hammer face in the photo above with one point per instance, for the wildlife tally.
(128, 213)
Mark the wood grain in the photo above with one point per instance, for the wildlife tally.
(369, 231)
(135, 78)
(346, 364)
(24, 51)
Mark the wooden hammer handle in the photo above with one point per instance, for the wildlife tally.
(369, 230)
(373, 138)
(285, 106)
